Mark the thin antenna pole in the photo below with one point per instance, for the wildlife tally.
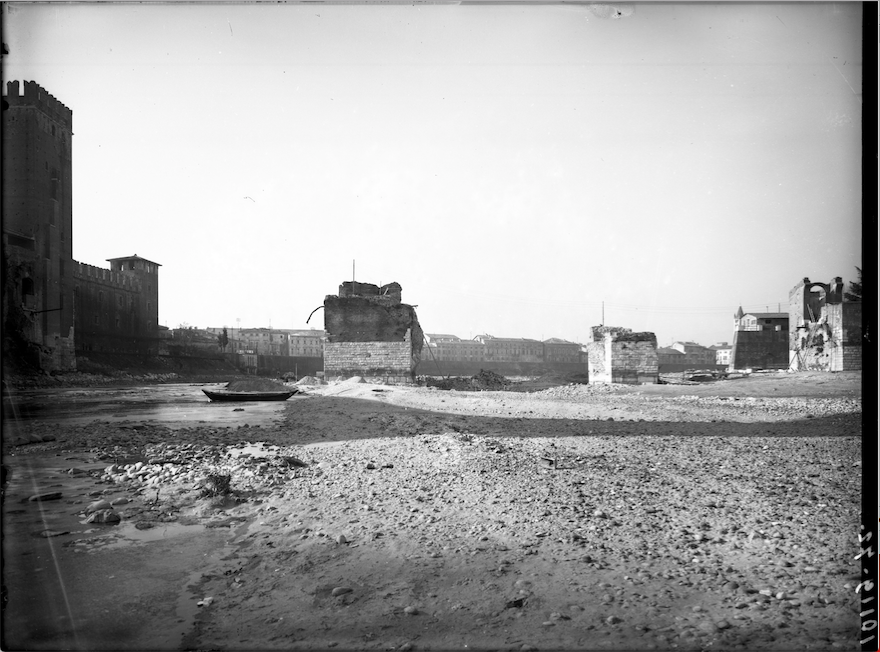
(352, 274)
(603, 313)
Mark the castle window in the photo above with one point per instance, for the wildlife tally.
(117, 322)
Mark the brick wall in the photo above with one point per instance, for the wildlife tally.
(852, 358)
(376, 362)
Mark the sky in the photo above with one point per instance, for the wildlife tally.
(521, 170)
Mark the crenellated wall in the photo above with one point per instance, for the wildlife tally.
(36, 96)
(90, 273)
(115, 311)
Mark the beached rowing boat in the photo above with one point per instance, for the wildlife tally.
(224, 395)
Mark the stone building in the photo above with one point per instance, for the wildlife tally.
(824, 331)
(372, 334)
(117, 309)
(305, 343)
(443, 346)
(696, 355)
(760, 340)
(559, 350)
(618, 355)
(511, 349)
(54, 306)
(38, 225)
(669, 359)
(722, 353)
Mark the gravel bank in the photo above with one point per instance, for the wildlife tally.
(411, 518)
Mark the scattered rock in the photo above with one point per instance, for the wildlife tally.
(103, 516)
(50, 495)
(98, 505)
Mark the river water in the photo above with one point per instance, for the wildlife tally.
(176, 405)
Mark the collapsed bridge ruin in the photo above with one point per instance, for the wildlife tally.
(371, 334)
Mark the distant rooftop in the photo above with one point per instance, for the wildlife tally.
(135, 257)
(768, 315)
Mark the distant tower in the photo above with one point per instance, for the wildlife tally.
(146, 273)
(38, 222)
(737, 319)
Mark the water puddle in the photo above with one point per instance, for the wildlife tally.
(128, 534)
(190, 600)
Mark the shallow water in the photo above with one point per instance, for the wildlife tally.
(57, 584)
(171, 405)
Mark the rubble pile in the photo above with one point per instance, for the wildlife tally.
(309, 380)
(190, 466)
(483, 381)
(255, 385)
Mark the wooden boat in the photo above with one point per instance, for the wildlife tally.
(225, 395)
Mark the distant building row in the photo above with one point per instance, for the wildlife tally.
(689, 355)
(306, 343)
(488, 348)
(445, 347)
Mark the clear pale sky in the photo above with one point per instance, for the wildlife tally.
(511, 166)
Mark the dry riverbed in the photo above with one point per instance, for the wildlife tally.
(717, 516)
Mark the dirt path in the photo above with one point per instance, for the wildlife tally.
(409, 518)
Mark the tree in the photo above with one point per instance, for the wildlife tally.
(186, 334)
(223, 339)
(855, 288)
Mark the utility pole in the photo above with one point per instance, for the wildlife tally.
(603, 313)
